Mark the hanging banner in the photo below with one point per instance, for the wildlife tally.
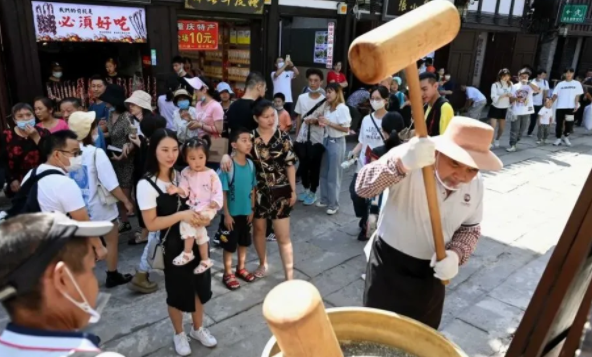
(320, 48)
(330, 38)
(237, 6)
(88, 23)
(197, 35)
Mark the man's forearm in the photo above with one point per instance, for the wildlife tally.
(464, 241)
(377, 176)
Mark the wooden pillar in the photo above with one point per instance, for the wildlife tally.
(271, 43)
(162, 37)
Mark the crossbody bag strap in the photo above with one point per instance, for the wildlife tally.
(261, 163)
(310, 112)
(376, 126)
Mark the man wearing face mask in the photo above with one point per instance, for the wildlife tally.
(282, 80)
(48, 286)
(403, 275)
(56, 192)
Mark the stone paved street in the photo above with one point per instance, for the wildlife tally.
(526, 207)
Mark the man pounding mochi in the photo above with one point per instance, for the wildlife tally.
(403, 275)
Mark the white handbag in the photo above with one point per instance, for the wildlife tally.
(569, 117)
(156, 255)
(105, 197)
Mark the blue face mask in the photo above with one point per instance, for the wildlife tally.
(23, 124)
(183, 104)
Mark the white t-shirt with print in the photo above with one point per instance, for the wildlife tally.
(147, 194)
(57, 193)
(523, 104)
(566, 94)
(303, 106)
(545, 115)
(543, 86)
(96, 167)
(475, 95)
(283, 84)
(369, 137)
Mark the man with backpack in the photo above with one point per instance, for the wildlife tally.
(438, 111)
(47, 188)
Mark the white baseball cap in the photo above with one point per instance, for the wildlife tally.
(223, 86)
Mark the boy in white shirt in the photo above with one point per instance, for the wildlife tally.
(567, 96)
(522, 107)
(545, 120)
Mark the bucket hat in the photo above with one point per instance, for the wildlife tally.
(141, 99)
(181, 93)
(81, 122)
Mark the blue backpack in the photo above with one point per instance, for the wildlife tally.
(231, 171)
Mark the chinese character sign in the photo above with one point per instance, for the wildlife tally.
(198, 35)
(330, 39)
(237, 6)
(88, 23)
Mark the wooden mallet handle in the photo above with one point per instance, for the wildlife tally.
(297, 318)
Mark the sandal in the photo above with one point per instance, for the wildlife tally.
(245, 275)
(230, 281)
(203, 266)
(183, 259)
(137, 239)
(124, 227)
(261, 272)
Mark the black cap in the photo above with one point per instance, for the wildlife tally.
(25, 277)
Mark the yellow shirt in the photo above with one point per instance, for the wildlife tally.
(446, 114)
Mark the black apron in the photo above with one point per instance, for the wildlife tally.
(180, 283)
(402, 284)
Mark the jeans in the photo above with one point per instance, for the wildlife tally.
(533, 119)
(153, 240)
(476, 110)
(519, 125)
(332, 172)
(561, 113)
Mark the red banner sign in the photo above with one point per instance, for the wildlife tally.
(198, 35)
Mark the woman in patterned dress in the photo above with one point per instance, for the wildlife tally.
(119, 125)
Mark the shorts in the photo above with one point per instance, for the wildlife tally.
(269, 208)
(497, 113)
(239, 236)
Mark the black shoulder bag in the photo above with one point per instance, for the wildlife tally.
(304, 150)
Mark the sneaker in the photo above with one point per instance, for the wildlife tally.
(271, 237)
(182, 344)
(310, 199)
(332, 211)
(544, 141)
(496, 144)
(557, 142)
(362, 237)
(204, 336)
(566, 141)
(539, 142)
(321, 204)
(303, 196)
(124, 227)
(529, 135)
(511, 148)
(115, 278)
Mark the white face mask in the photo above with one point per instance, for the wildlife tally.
(75, 164)
(280, 64)
(57, 74)
(440, 180)
(377, 104)
(102, 299)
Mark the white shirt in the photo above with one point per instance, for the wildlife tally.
(523, 104)
(404, 222)
(543, 86)
(497, 90)
(283, 84)
(56, 193)
(96, 168)
(340, 116)
(545, 115)
(475, 95)
(167, 110)
(566, 94)
(369, 137)
(184, 134)
(303, 106)
(147, 195)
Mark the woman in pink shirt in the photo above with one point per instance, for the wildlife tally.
(210, 115)
(44, 112)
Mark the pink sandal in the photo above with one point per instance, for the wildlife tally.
(203, 266)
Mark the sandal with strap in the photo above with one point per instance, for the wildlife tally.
(230, 281)
(261, 272)
(183, 259)
(203, 266)
(245, 275)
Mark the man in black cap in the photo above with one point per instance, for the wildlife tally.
(48, 287)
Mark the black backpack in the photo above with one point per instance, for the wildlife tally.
(25, 200)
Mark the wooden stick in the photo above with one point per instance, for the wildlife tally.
(429, 180)
(297, 318)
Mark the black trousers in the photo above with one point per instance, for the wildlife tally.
(289, 107)
(402, 284)
(561, 113)
(361, 205)
(533, 119)
(310, 167)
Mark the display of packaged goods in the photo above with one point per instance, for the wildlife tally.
(239, 56)
(214, 55)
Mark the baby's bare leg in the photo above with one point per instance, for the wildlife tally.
(188, 242)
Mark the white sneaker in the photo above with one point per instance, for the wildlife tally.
(557, 142)
(182, 345)
(539, 142)
(566, 141)
(332, 211)
(321, 204)
(204, 336)
(511, 148)
(496, 144)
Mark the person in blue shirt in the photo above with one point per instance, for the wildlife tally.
(239, 200)
(98, 85)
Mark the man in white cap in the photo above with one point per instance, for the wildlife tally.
(403, 275)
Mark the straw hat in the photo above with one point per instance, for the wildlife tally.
(81, 122)
(141, 99)
(467, 141)
(181, 93)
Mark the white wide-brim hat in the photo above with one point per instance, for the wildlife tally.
(141, 99)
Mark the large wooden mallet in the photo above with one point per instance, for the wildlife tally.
(398, 45)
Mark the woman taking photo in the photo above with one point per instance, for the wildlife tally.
(119, 124)
(44, 112)
(274, 161)
(336, 121)
(501, 92)
(186, 291)
(20, 149)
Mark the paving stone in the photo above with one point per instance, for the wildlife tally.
(492, 315)
(350, 295)
(472, 340)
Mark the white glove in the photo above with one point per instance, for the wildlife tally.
(421, 152)
(447, 268)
